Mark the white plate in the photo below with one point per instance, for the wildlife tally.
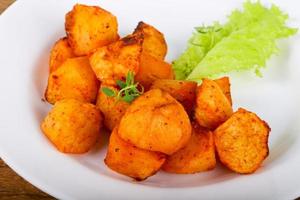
(27, 31)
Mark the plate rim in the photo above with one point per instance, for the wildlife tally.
(30, 178)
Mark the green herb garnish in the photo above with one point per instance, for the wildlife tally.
(128, 89)
(109, 92)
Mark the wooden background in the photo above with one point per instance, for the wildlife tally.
(12, 186)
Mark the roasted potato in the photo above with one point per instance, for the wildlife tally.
(60, 52)
(154, 41)
(242, 141)
(224, 84)
(90, 27)
(156, 121)
(152, 69)
(74, 79)
(197, 156)
(212, 106)
(182, 91)
(131, 161)
(113, 62)
(112, 109)
(72, 126)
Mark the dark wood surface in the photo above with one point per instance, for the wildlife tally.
(12, 186)
(4, 4)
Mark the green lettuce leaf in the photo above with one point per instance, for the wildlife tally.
(245, 42)
(203, 40)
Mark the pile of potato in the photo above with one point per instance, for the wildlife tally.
(175, 125)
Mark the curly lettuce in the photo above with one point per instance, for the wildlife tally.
(245, 42)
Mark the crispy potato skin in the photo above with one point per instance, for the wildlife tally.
(152, 69)
(182, 91)
(131, 161)
(212, 106)
(72, 126)
(242, 142)
(111, 109)
(154, 41)
(74, 79)
(224, 84)
(60, 52)
(90, 27)
(197, 156)
(156, 121)
(113, 62)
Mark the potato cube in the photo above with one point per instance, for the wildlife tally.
(131, 161)
(113, 62)
(154, 41)
(152, 69)
(60, 52)
(182, 91)
(156, 121)
(197, 156)
(212, 106)
(72, 126)
(74, 79)
(242, 142)
(224, 84)
(90, 27)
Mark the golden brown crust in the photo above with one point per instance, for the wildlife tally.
(242, 142)
(182, 91)
(132, 39)
(154, 42)
(197, 156)
(60, 52)
(111, 109)
(72, 126)
(212, 106)
(90, 27)
(156, 121)
(131, 161)
(224, 84)
(113, 62)
(74, 79)
(152, 69)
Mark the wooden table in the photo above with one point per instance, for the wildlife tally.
(12, 186)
